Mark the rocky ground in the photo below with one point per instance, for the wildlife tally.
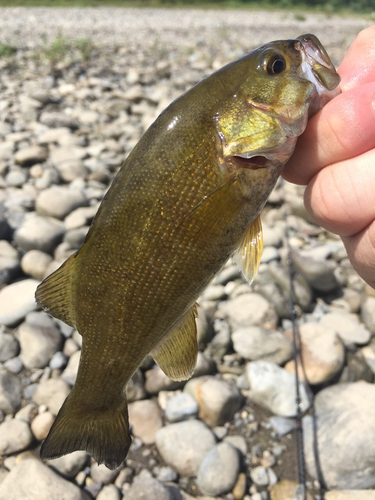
(78, 87)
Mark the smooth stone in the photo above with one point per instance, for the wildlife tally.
(274, 388)
(30, 155)
(220, 343)
(38, 343)
(368, 313)
(35, 263)
(166, 474)
(229, 273)
(101, 474)
(25, 413)
(247, 310)
(184, 445)
(16, 300)
(181, 407)
(219, 470)
(10, 392)
(318, 273)
(238, 442)
(9, 346)
(279, 274)
(214, 292)
(76, 237)
(16, 177)
(255, 342)
(69, 465)
(58, 201)
(205, 365)
(14, 365)
(109, 492)
(53, 135)
(135, 388)
(39, 233)
(350, 495)
(269, 254)
(157, 380)
(323, 353)
(55, 119)
(15, 435)
(42, 424)
(71, 370)
(145, 417)
(9, 268)
(217, 400)
(239, 489)
(368, 353)
(81, 216)
(58, 361)
(52, 393)
(345, 424)
(259, 476)
(283, 425)
(145, 487)
(272, 236)
(350, 331)
(32, 480)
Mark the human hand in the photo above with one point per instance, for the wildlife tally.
(335, 157)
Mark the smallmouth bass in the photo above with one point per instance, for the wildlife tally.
(188, 196)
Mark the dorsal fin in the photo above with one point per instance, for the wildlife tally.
(250, 250)
(177, 353)
(54, 294)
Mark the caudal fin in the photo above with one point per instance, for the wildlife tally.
(103, 434)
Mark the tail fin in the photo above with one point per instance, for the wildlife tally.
(103, 434)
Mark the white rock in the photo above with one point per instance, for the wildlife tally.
(42, 424)
(145, 419)
(15, 435)
(58, 201)
(52, 393)
(247, 310)
(16, 300)
(350, 331)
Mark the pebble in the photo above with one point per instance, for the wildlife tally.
(283, 425)
(219, 470)
(145, 417)
(259, 476)
(35, 263)
(52, 393)
(38, 343)
(317, 272)
(69, 465)
(101, 474)
(15, 436)
(10, 392)
(30, 155)
(368, 313)
(166, 474)
(109, 492)
(57, 120)
(14, 365)
(70, 372)
(350, 331)
(181, 407)
(42, 424)
(58, 201)
(255, 342)
(39, 233)
(157, 380)
(16, 300)
(345, 424)
(184, 445)
(247, 310)
(31, 480)
(239, 488)
(9, 346)
(146, 487)
(323, 353)
(274, 388)
(238, 442)
(217, 400)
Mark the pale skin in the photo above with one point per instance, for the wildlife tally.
(335, 158)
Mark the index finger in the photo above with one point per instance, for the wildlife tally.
(343, 129)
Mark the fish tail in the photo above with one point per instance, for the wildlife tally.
(103, 433)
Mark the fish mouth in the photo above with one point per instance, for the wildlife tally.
(317, 67)
(252, 163)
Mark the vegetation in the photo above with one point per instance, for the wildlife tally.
(7, 50)
(62, 48)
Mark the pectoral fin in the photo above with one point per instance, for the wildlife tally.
(177, 354)
(249, 252)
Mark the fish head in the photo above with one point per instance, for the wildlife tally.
(285, 83)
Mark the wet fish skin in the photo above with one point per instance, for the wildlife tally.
(187, 197)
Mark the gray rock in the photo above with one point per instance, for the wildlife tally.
(146, 487)
(205, 365)
(221, 342)
(368, 313)
(38, 343)
(274, 388)
(16, 177)
(157, 380)
(30, 155)
(55, 119)
(51, 393)
(279, 274)
(58, 201)
(31, 480)
(318, 273)
(350, 331)
(166, 474)
(219, 470)
(214, 292)
(58, 361)
(76, 237)
(184, 445)
(238, 442)
(15, 435)
(181, 407)
(70, 372)
(39, 233)
(283, 425)
(42, 424)
(145, 419)
(35, 263)
(101, 474)
(9, 346)
(9, 268)
(10, 392)
(217, 400)
(345, 436)
(69, 465)
(255, 342)
(259, 476)
(109, 492)
(14, 365)
(82, 216)
(229, 273)
(135, 389)
(269, 254)
(247, 310)
(16, 300)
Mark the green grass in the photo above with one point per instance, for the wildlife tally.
(7, 50)
(65, 48)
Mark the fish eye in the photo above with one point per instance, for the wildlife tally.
(275, 64)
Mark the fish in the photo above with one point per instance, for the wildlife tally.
(188, 197)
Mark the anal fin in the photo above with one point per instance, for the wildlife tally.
(177, 353)
(250, 250)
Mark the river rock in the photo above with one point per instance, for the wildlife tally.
(255, 342)
(109, 492)
(15, 435)
(345, 424)
(69, 465)
(317, 272)
(247, 310)
(30, 155)
(32, 480)
(10, 392)
(52, 393)
(16, 300)
(219, 470)
(184, 445)
(58, 201)
(274, 388)
(9, 346)
(146, 487)
(145, 418)
(157, 380)
(71, 370)
(42, 424)
(39, 233)
(38, 343)
(181, 407)
(35, 263)
(55, 119)
(323, 353)
(368, 313)
(349, 330)
(101, 474)
(217, 400)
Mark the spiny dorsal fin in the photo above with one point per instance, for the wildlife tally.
(177, 354)
(249, 252)
(54, 294)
